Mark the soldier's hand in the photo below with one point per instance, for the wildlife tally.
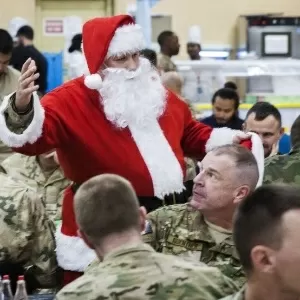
(26, 85)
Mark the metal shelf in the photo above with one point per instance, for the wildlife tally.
(244, 68)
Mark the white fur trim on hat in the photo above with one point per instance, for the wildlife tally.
(72, 253)
(127, 39)
(31, 133)
(93, 82)
(223, 136)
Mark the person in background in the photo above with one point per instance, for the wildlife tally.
(169, 46)
(225, 103)
(110, 221)
(264, 119)
(202, 229)
(285, 168)
(43, 174)
(77, 65)
(266, 235)
(25, 49)
(27, 242)
(150, 55)
(9, 78)
(199, 84)
(173, 82)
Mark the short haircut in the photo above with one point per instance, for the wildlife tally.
(26, 31)
(263, 110)
(150, 55)
(257, 220)
(230, 85)
(6, 42)
(105, 205)
(226, 93)
(75, 43)
(164, 36)
(295, 133)
(246, 165)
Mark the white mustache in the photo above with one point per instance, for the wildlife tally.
(126, 74)
(122, 72)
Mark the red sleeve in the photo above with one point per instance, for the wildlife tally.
(45, 132)
(195, 136)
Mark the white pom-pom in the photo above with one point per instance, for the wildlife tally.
(93, 82)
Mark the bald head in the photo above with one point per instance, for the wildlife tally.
(173, 82)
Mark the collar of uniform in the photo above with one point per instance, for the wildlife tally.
(295, 149)
(196, 226)
(128, 248)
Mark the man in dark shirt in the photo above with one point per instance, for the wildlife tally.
(26, 49)
(225, 104)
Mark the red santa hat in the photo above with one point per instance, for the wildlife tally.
(107, 37)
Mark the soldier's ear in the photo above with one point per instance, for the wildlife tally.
(84, 237)
(143, 216)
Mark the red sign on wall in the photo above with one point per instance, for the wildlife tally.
(53, 26)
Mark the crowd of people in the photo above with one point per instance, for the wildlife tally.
(112, 187)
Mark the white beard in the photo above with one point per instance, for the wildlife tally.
(132, 97)
(136, 99)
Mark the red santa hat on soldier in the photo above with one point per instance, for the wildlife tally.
(108, 37)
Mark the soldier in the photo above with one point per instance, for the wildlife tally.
(285, 168)
(8, 78)
(264, 119)
(110, 221)
(169, 46)
(27, 235)
(43, 174)
(202, 229)
(266, 234)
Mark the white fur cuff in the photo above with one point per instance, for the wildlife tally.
(31, 133)
(220, 137)
(72, 253)
(127, 39)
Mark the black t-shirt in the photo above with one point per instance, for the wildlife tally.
(234, 123)
(21, 53)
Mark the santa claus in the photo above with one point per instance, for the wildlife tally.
(120, 119)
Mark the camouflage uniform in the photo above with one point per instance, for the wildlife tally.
(138, 272)
(27, 235)
(240, 295)
(181, 231)
(165, 63)
(49, 185)
(283, 168)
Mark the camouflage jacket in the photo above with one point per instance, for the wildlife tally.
(283, 168)
(27, 235)
(240, 295)
(50, 188)
(165, 63)
(180, 231)
(138, 272)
